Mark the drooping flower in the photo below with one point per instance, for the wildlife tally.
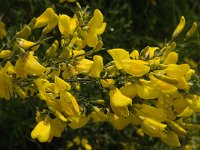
(79, 121)
(27, 64)
(96, 27)
(6, 84)
(84, 66)
(119, 103)
(153, 128)
(171, 139)
(45, 130)
(136, 68)
(119, 123)
(66, 25)
(5, 53)
(27, 44)
(96, 67)
(118, 56)
(49, 19)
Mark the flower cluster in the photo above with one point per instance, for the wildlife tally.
(146, 89)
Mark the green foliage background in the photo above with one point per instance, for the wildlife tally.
(131, 24)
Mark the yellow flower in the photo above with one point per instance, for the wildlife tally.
(119, 103)
(24, 32)
(179, 27)
(134, 54)
(119, 122)
(152, 112)
(41, 131)
(129, 90)
(97, 66)
(96, 27)
(78, 121)
(136, 68)
(61, 85)
(49, 19)
(107, 82)
(3, 32)
(6, 84)
(27, 44)
(162, 86)
(27, 64)
(45, 130)
(179, 130)
(84, 66)
(118, 56)
(117, 99)
(176, 71)
(171, 139)
(194, 102)
(66, 25)
(171, 58)
(5, 53)
(98, 116)
(145, 90)
(153, 127)
(150, 52)
(42, 85)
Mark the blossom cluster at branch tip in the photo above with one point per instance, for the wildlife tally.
(146, 88)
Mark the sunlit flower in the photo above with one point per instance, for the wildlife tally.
(153, 128)
(45, 130)
(96, 27)
(49, 19)
(66, 25)
(119, 103)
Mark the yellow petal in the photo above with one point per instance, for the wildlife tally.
(84, 66)
(136, 68)
(172, 58)
(120, 111)
(177, 128)
(179, 27)
(171, 139)
(61, 85)
(177, 71)
(97, 66)
(5, 53)
(91, 38)
(191, 31)
(66, 24)
(44, 19)
(129, 90)
(51, 24)
(79, 121)
(162, 86)
(27, 44)
(117, 99)
(135, 54)
(97, 20)
(187, 112)
(153, 128)
(19, 67)
(118, 122)
(32, 66)
(107, 82)
(152, 112)
(118, 56)
(41, 131)
(147, 92)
